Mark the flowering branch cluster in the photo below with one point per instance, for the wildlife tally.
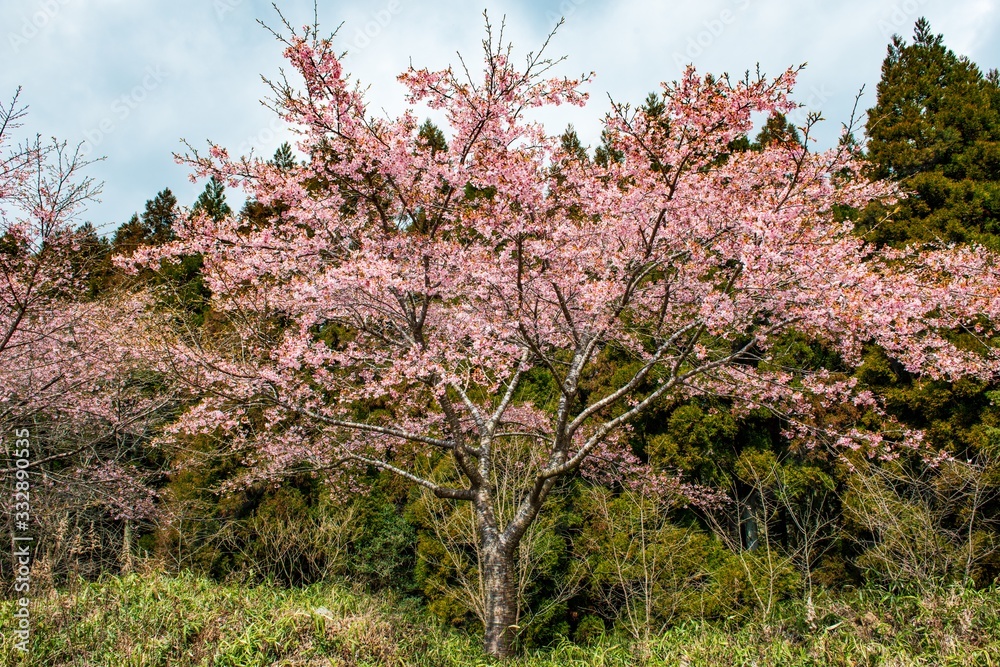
(412, 283)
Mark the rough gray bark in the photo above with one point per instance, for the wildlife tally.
(501, 600)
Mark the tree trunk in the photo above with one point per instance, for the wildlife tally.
(501, 600)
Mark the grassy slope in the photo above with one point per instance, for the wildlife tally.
(159, 620)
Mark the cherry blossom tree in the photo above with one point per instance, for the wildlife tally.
(68, 359)
(411, 285)
(41, 193)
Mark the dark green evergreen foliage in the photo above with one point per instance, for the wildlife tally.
(576, 152)
(698, 439)
(184, 289)
(153, 227)
(295, 533)
(93, 256)
(430, 137)
(606, 153)
(192, 495)
(911, 524)
(739, 144)
(180, 285)
(91, 261)
(935, 128)
(777, 130)
(571, 143)
(283, 158)
(212, 201)
(130, 236)
(384, 553)
(256, 214)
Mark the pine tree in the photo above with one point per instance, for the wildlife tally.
(212, 201)
(89, 260)
(778, 130)
(283, 158)
(160, 216)
(154, 227)
(935, 128)
(431, 137)
(606, 153)
(182, 287)
(258, 215)
(571, 143)
(129, 236)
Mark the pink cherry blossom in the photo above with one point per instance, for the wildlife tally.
(453, 275)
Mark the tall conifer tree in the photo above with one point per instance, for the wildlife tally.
(935, 128)
(212, 201)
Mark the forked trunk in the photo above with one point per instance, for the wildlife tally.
(501, 601)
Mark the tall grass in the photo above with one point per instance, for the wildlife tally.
(155, 620)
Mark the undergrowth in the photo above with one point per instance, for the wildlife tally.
(156, 620)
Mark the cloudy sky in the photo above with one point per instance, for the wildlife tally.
(131, 78)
